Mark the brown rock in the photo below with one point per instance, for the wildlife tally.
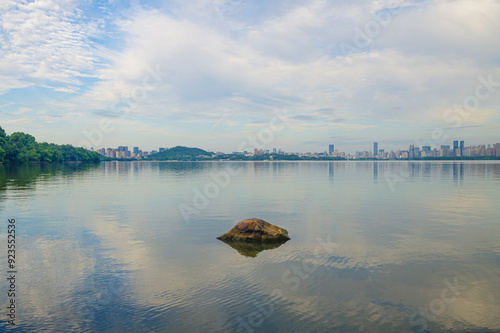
(255, 230)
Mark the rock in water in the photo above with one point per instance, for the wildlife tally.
(255, 230)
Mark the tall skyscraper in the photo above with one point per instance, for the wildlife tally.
(445, 150)
(136, 150)
(455, 148)
(462, 148)
(331, 149)
(375, 148)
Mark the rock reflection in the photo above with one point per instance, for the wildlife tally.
(252, 249)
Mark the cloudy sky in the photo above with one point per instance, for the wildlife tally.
(296, 75)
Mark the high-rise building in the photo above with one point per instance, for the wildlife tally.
(136, 150)
(445, 151)
(411, 151)
(331, 149)
(123, 148)
(375, 148)
(426, 151)
(455, 148)
(462, 148)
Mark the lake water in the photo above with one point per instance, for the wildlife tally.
(375, 247)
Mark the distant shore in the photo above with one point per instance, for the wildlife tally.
(313, 159)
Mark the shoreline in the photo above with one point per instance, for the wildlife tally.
(316, 160)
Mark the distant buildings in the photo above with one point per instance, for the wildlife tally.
(458, 149)
(411, 151)
(455, 148)
(121, 152)
(444, 151)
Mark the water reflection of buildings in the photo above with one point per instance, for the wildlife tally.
(335, 167)
(458, 171)
(134, 168)
(425, 171)
(403, 171)
(407, 170)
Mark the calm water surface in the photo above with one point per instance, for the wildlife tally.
(375, 247)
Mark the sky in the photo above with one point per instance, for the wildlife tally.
(233, 75)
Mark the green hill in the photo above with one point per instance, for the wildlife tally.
(181, 153)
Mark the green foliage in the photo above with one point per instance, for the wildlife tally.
(275, 157)
(22, 148)
(181, 153)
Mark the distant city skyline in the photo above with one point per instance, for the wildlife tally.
(457, 149)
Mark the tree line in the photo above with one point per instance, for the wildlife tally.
(19, 148)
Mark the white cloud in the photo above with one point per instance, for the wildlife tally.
(69, 90)
(447, 29)
(42, 41)
(289, 60)
(242, 60)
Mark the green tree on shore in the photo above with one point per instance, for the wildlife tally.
(21, 148)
